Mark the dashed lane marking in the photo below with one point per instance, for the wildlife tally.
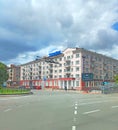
(89, 112)
(75, 112)
(73, 127)
(76, 104)
(114, 107)
(76, 108)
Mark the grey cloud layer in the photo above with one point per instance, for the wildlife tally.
(29, 25)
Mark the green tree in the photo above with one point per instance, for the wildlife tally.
(3, 73)
(116, 79)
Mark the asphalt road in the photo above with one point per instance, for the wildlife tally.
(59, 110)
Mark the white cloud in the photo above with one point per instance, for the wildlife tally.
(47, 24)
(30, 56)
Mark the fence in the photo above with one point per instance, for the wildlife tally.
(105, 89)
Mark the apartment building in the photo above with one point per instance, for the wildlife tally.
(67, 69)
(14, 75)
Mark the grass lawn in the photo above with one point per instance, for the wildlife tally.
(14, 91)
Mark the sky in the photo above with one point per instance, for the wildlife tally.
(31, 28)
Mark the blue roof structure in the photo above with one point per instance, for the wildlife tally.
(55, 53)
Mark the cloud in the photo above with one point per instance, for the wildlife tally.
(111, 53)
(29, 26)
(30, 56)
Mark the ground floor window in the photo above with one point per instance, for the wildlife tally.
(77, 83)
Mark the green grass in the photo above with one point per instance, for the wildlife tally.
(14, 91)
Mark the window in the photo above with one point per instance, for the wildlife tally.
(60, 65)
(77, 83)
(68, 57)
(71, 69)
(60, 76)
(77, 62)
(101, 77)
(60, 59)
(87, 69)
(77, 75)
(77, 55)
(77, 68)
(60, 71)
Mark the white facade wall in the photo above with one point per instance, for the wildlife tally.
(72, 64)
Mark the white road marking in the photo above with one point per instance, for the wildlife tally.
(75, 112)
(73, 127)
(7, 110)
(76, 108)
(76, 104)
(114, 107)
(95, 102)
(91, 111)
(20, 97)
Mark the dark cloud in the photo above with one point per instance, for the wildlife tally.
(104, 40)
(11, 49)
(32, 25)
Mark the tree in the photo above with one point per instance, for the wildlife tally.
(3, 73)
(116, 79)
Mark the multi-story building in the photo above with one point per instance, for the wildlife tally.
(14, 75)
(68, 68)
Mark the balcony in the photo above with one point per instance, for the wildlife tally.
(92, 66)
(50, 76)
(105, 63)
(68, 60)
(93, 59)
(39, 67)
(68, 71)
(105, 68)
(68, 65)
(50, 68)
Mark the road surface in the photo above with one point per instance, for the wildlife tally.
(59, 110)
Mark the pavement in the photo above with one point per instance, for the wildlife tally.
(59, 110)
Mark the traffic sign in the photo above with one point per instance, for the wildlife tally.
(105, 83)
(87, 76)
(44, 78)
